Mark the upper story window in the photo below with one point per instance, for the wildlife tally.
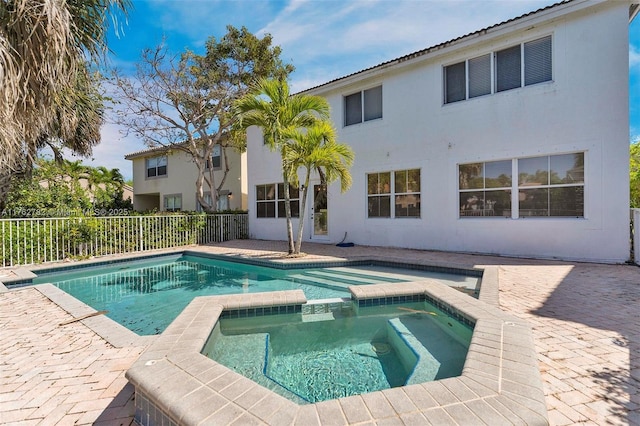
(363, 106)
(156, 166)
(173, 202)
(516, 66)
(216, 158)
(546, 186)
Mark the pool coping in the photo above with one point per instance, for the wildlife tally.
(500, 380)
(176, 384)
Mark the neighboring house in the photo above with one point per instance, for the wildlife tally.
(165, 180)
(512, 140)
(127, 191)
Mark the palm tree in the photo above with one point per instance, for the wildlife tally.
(316, 150)
(46, 48)
(271, 106)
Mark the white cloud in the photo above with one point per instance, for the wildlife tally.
(318, 35)
(634, 56)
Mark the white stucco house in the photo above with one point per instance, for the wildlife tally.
(165, 180)
(512, 140)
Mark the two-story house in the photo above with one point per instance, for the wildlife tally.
(512, 140)
(165, 180)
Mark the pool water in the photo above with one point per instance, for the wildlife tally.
(146, 296)
(310, 360)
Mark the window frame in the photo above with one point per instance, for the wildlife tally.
(393, 194)
(157, 168)
(518, 188)
(217, 165)
(361, 95)
(273, 205)
(494, 69)
(167, 197)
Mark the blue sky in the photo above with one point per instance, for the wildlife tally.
(323, 39)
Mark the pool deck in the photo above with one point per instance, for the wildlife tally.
(583, 316)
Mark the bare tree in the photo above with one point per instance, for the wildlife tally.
(184, 102)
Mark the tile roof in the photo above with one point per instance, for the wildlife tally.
(438, 46)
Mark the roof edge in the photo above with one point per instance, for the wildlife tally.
(458, 40)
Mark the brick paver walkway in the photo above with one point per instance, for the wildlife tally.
(586, 321)
(53, 374)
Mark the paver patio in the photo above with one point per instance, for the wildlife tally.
(584, 317)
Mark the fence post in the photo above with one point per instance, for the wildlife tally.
(140, 235)
(636, 235)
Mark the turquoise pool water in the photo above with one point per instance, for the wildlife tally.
(146, 296)
(312, 358)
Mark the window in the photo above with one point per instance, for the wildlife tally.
(216, 158)
(222, 202)
(547, 186)
(407, 193)
(485, 189)
(173, 202)
(537, 61)
(479, 76)
(363, 106)
(270, 200)
(403, 186)
(294, 197)
(551, 185)
(471, 78)
(157, 166)
(508, 71)
(455, 83)
(379, 194)
(207, 199)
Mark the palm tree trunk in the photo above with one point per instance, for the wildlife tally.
(302, 213)
(287, 211)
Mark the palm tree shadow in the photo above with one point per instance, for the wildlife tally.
(606, 298)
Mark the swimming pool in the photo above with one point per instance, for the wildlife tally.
(316, 357)
(147, 295)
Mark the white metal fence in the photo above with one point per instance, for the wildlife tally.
(38, 240)
(635, 235)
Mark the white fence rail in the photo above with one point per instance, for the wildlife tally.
(30, 241)
(635, 235)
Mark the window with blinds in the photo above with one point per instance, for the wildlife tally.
(508, 71)
(363, 106)
(480, 76)
(516, 66)
(537, 61)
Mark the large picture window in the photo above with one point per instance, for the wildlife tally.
(363, 106)
(270, 201)
(156, 166)
(546, 186)
(551, 186)
(401, 186)
(473, 77)
(485, 189)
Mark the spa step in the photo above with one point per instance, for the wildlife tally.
(423, 365)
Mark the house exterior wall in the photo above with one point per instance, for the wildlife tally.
(180, 179)
(583, 109)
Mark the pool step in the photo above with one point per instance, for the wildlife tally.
(338, 281)
(320, 282)
(346, 275)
